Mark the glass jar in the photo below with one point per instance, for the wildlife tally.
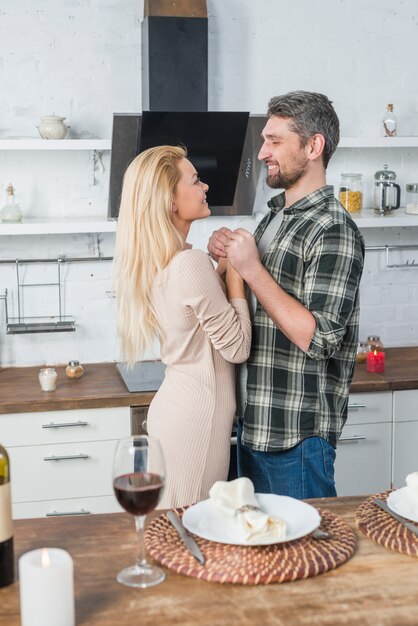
(362, 349)
(375, 343)
(351, 192)
(412, 198)
(47, 378)
(74, 369)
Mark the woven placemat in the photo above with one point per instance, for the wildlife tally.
(253, 565)
(383, 529)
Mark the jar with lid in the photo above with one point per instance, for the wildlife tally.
(362, 349)
(387, 194)
(412, 198)
(11, 211)
(351, 192)
(375, 343)
(74, 369)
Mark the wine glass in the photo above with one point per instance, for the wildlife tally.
(138, 482)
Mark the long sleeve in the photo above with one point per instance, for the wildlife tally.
(227, 324)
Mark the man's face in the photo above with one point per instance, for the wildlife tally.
(282, 153)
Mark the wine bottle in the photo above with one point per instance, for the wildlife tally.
(6, 527)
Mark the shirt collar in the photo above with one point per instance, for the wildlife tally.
(277, 203)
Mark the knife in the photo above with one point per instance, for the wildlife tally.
(188, 541)
(409, 525)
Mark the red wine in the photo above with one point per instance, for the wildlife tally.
(6, 528)
(138, 493)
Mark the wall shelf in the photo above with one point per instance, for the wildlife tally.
(378, 142)
(55, 144)
(57, 226)
(367, 218)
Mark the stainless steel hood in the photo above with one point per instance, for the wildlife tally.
(223, 146)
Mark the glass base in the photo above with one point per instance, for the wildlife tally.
(140, 576)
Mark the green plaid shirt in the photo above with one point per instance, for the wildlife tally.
(317, 257)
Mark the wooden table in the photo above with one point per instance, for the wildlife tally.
(376, 587)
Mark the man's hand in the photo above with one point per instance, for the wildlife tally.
(216, 245)
(242, 252)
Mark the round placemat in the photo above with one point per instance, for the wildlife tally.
(253, 565)
(376, 524)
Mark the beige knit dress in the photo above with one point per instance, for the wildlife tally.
(193, 411)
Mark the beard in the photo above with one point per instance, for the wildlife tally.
(288, 178)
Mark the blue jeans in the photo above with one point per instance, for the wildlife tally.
(304, 471)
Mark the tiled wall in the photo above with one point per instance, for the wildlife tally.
(81, 59)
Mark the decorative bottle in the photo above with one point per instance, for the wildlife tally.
(390, 123)
(6, 527)
(11, 211)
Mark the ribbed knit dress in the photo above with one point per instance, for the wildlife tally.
(193, 411)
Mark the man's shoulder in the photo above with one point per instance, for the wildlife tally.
(328, 212)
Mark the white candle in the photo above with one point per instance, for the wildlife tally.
(48, 378)
(46, 588)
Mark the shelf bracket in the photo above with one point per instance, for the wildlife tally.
(95, 159)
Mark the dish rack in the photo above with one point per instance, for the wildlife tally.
(37, 324)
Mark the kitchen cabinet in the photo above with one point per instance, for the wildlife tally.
(364, 452)
(405, 435)
(62, 460)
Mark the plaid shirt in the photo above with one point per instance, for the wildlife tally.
(317, 257)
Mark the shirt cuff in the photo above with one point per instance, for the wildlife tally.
(326, 339)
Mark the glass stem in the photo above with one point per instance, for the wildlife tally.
(139, 525)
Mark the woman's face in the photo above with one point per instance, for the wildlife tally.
(189, 201)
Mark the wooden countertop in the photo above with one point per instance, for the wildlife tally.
(375, 587)
(101, 385)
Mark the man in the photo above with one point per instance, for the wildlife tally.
(303, 265)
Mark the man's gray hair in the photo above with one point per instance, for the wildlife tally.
(310, 113)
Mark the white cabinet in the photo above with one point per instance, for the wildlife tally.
(61, 461)
(405, 435)
(364, 451)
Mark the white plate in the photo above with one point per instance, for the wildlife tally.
(202, 519)
(400, 502)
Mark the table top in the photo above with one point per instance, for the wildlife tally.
(375, 587)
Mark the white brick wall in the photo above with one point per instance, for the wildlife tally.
(81, 59)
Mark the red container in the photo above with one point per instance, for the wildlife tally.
(376, 362)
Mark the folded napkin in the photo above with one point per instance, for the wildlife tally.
(412, 490)
(252, 524)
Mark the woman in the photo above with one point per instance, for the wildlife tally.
(165, 289)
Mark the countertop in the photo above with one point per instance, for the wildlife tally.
(101, 385)
(375, 587)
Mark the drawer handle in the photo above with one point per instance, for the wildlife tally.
(353, 438)
(356, 406)
(63, 513)
(233, 441)
(66, 457)
(64, 424)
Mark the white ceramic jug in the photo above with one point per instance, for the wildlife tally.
(52, 127)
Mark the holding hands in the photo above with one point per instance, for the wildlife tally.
(238, 247)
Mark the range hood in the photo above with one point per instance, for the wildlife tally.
(222, 146)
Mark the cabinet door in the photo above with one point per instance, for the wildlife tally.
(65, 508)
(369, 408)
(50, 427)
(363, 463)
(405, 437)
(66, 470)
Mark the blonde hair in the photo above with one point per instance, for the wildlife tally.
(146, 241)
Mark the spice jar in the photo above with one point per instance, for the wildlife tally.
(412, 198)
(74, 369)
(375, 343)
(362, 349)
(351, 192)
